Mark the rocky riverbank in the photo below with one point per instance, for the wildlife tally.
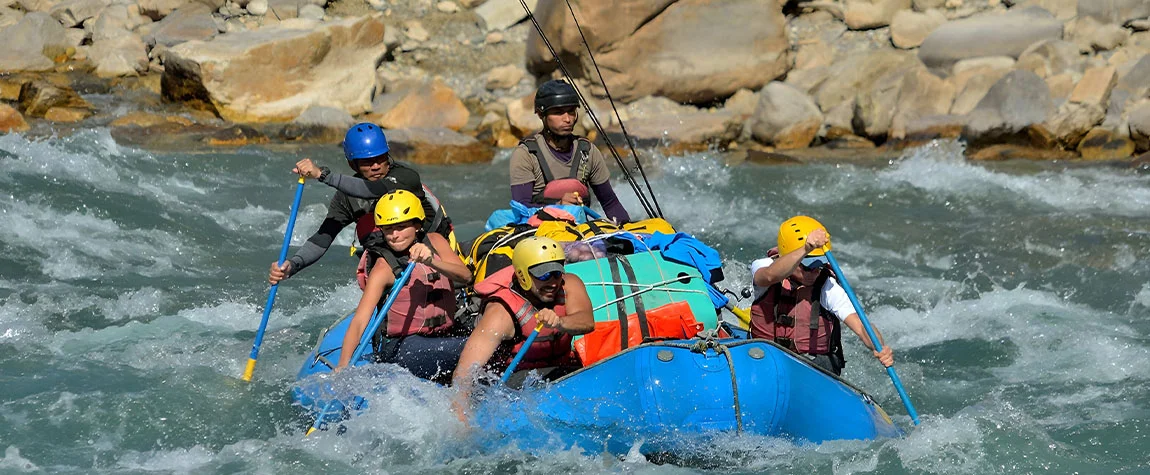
(452, 81)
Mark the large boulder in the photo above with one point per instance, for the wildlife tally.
(875, 105)
(1103, 144)
(858, 72)
(1005, 34)
(31, 44)
(261, 75)
(667, 47)
(9, 17)
(116, 20)
(923, 95)
(430, 104)
(437, 146)
(1062, 9)
(1018, 100)
(785, 117)
(71, 13)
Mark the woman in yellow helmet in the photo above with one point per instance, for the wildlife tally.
(420, 332)
(534, 291)
(799, 304)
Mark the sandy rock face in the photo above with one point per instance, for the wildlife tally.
(431, 104)
(259, 76)
(672, 55)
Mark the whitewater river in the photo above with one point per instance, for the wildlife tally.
(1016, 298)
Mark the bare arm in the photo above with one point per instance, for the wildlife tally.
(372, 292)
(494, 326)
(886, 356)
(580, 319)
(447, 261)
(785, 264)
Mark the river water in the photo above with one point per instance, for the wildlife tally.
(1015, 296)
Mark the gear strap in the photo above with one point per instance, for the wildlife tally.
(579, 162)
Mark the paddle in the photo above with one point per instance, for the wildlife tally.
(842, 280)
(251, 367)
(377, 317)
(521, 353)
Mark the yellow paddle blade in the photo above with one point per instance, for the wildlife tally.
(744, 316)
(249, 370)
(309, 431)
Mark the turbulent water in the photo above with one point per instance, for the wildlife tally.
(1016, 298)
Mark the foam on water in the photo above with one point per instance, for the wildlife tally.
(941, 170)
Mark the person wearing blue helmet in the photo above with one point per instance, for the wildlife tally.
(557, 166)
(367, 153)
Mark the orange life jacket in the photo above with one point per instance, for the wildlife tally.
(551, 347)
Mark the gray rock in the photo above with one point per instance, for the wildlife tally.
(116, 20)
(785, 117)
(1016, 101)
(1140, 125)
(1007, 34)
(875, 106)
(31, 43)
(158, 9)
(909, 29)
(1114, 11)
(1049, 58)
(192, 22)
(74, 12)
(501, 14)
(323, 116)
(121, 55)
(867, 14)
(9, 17)
(312, 12)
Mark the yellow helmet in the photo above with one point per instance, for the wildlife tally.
(397, 207)
(536, 256)
(794, 231)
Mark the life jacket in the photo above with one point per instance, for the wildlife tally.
(790, 313)
(424, 306)
(580, 169)
(551, 347)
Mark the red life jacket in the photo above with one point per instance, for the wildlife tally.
(424, 306)
(551, 347)
(790, 313)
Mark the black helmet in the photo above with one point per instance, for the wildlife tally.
(555, 93)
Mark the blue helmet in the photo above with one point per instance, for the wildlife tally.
(364, 140)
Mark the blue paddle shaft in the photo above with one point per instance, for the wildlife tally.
(842, 280)
(283, 256)
(519, 356)
(378, 316)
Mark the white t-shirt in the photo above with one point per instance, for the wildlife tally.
(834, 298)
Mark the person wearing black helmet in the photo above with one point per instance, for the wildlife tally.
(366, 150)
(557, 166)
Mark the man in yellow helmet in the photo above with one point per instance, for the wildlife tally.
(534, 290)
(420, 333)
(799, 304)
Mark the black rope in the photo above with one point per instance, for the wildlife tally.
(591, 114)
(627, 136)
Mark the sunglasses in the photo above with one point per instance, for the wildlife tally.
(814, 262)
(555, 274)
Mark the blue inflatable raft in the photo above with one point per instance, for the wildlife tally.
(658, 394)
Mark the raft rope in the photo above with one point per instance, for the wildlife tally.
(652, 212)
(646, 288)
(710, 341)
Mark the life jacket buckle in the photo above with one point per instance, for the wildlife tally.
(786, 342)
(785, 320)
